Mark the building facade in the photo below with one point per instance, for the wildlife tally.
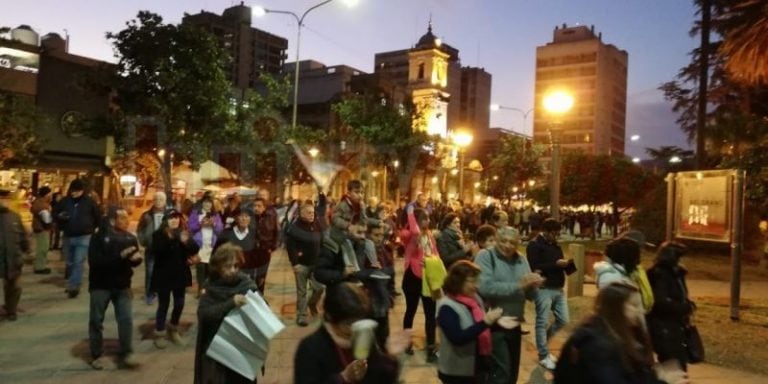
(595, 73)
(253, 51)
(56, 80)
(459, 96)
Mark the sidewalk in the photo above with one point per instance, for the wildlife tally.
(48, 343)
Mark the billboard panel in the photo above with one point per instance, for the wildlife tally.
(703, 205)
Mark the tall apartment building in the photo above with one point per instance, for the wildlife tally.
(595, 73)
(253, 51)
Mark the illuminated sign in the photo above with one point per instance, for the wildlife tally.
(703, 205)
(19, 60)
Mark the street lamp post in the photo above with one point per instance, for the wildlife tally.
(462, 140)
(260, 11)
(556, 103)
(496, 107)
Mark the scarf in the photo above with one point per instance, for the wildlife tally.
(484, 338)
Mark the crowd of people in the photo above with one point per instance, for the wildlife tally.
(463, 264)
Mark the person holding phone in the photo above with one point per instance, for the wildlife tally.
(174, 251)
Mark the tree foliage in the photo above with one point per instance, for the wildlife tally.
(19, 121)
(511, 167)
(381, 132)
(603, 179)
(737, 115)
(745, 45)
(174, 74)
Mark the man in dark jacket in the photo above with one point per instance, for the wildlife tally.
(112, 255)
(546, 258)
(77, 215)
(303, 240)
(13, 245)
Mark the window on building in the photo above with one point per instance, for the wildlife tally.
(421, 71)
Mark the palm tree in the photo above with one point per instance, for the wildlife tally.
(744, 26)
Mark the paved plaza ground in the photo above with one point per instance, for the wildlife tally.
(48, 342)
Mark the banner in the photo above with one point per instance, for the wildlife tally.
(703, 205)
(242, 341)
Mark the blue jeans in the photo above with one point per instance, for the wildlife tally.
(549, 299)
(121, 302)
(149, 265)
(75, 251)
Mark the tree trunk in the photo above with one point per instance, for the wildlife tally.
(701, 113)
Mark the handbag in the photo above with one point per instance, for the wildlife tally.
(694, 345)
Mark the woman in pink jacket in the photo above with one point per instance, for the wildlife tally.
(419, 243)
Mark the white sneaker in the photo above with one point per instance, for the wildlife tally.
(548, 363)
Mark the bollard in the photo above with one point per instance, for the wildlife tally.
(576, 279)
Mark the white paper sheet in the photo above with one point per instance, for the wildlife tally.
(242, 341)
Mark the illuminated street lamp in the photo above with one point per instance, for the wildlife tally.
(634, 138)
(313, 152)
(259, 11)
(462, 140)
(675, 160)
(556, 103)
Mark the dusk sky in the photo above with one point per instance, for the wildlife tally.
(498, 35)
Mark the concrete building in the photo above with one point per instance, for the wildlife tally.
(595, 73)
(252, 50)
(319, 87)
(43, 70)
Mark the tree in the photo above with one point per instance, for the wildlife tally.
(19, 121)
(383, 133)
(745, 44)
(175, 75)
(511, 167)
(593, 180)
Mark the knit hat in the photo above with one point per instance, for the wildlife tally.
(43, 191)
(76, 185)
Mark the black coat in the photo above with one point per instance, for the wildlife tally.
(449, 248)
(671, 311)
(592, 356)
(107, 268)
(214, 306)
(543, 256)
(77, 216)
(317, 361)
(171, 262)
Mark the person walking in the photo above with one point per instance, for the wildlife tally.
(78, 216)
(174, 252)
(506, 281)
(672, 309)
(265, 228)
(303, 241)
(112, 255)
(546, 258)
(42, 222)
(13, 246)
(225, 291)
(149, 223)
(611, 346)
